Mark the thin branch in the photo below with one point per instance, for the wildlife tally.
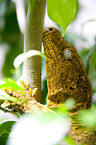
(32, 41)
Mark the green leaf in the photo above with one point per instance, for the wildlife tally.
(62, 12)
(22, 57)
(88, 59)
(70, 103)
(92, 69)
(69, 140)
(39, 125)
(11, 84)
(87, 117)
(5, 127)
(5, 96)
(84, 56)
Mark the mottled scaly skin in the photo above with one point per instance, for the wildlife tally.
(66, 77)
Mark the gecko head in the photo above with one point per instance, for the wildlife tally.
(51, 36)
(56, 46)
(51, 31)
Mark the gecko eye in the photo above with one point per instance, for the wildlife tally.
(67, 53)
(50, 29)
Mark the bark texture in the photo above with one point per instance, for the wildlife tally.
(32, 41)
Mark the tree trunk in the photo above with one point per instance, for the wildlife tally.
(32, 41)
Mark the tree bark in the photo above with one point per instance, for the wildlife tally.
(32, 41)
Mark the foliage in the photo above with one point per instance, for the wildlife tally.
(9, 83)
(92, 68)
(22, 57)
(39, 129)
(4, 96)
(10, 37)
(69, 140)
(5, 129)
(62, 12)
(87, 117)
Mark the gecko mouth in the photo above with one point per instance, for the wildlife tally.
(48, 30)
